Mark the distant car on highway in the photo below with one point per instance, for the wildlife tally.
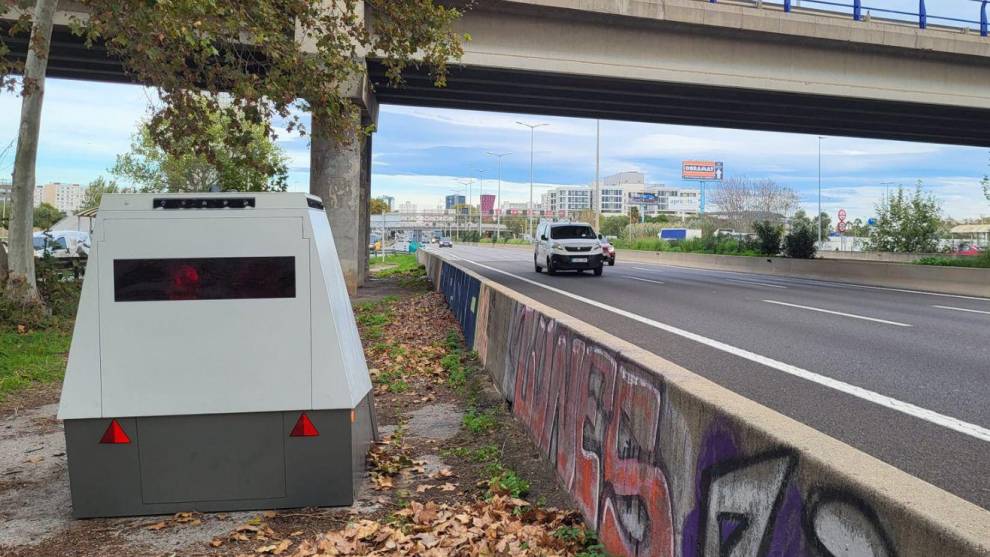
(608, 250)
(969, 250)
(446, 243)
(567, 246)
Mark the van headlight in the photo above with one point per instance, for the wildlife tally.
(557, 246)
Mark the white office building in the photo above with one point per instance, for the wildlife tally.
(620, 193)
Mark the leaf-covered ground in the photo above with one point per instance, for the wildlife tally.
(453, 473)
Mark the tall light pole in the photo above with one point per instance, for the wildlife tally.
(457, 216)
(498, 194)
(467, 182)
(820, 190)
(532, 134)
(598, 192)
(481, 214)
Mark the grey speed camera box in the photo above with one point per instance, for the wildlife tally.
(215, 363)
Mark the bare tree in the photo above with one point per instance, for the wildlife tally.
(743, 200)
(21, 282)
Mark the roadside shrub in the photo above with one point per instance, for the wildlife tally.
(769, 236)
(800, 243)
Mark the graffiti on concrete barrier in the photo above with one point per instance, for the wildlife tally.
(599, 423)
(746, 505)
(839, 523)
(602, 420)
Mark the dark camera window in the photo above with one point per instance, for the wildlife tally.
(224, 278)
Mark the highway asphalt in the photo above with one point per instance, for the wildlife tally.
(903, 376)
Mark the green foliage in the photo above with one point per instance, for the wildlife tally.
(377, 206)
(484, 454)
(46, 215)
(372, 317)
(769, 235)
(201, 57)
(907, 223)
(35, 356)
(980, 262)
(95, 190)
(710, 245)
(256, 164)
(800, 242)
(584, 537)
(613, 226)
(506, 482)
(480, 422)
(826, 224)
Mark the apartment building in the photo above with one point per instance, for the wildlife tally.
(67, 198)
(621, 192)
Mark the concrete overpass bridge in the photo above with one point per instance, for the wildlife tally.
(735, 64)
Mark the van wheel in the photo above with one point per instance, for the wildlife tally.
(598, 271)
(537, 265)
(611, 262)
(550, 269)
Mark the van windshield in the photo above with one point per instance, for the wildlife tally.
(39, 242)
(575, 232)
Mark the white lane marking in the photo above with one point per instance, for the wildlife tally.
(818, 282)
(644, 269)
(843, 314)
(751, 283)
(963, 309)
(925, 414)
(641, 279)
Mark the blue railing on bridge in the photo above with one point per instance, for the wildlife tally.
(856, 9)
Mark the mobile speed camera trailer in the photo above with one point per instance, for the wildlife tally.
(215, 363)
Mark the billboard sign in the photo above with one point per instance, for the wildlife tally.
(643, 198)
(702, 171)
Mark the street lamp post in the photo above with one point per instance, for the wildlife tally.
(597, 201)
(820, 190)
(532, 134)
(467, 182)
(498, 193)
(481, 213)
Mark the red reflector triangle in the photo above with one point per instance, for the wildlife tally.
(114, 435)
(304, 427)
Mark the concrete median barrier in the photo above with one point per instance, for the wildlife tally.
(663, 462)
(948, 280)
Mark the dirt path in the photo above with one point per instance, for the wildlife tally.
(453, 474)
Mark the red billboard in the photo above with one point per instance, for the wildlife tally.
(702, 171)
(487, 203)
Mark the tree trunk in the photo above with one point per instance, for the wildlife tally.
(22, 283)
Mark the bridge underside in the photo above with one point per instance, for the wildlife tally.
(511, 90)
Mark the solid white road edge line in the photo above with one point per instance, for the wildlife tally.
(912, 410)
(843, 314)
(963, 309)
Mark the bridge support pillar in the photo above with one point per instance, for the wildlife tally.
(340, 174)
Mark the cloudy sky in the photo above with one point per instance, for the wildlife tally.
(420, 154)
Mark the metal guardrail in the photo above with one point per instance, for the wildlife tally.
(857, 9)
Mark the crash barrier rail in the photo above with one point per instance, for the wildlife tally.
(663, 462)
(860, 11)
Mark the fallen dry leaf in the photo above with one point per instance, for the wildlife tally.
(157, 526)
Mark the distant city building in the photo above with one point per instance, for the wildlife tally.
(390, 201)
(518, 208)
(453, 201)
(407, 207)
(5, 188)
(487, 203)
(67, 198)
(619, 194)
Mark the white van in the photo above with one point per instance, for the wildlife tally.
(61, 243)
(564, 246)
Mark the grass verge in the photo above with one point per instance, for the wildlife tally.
(32, 357)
